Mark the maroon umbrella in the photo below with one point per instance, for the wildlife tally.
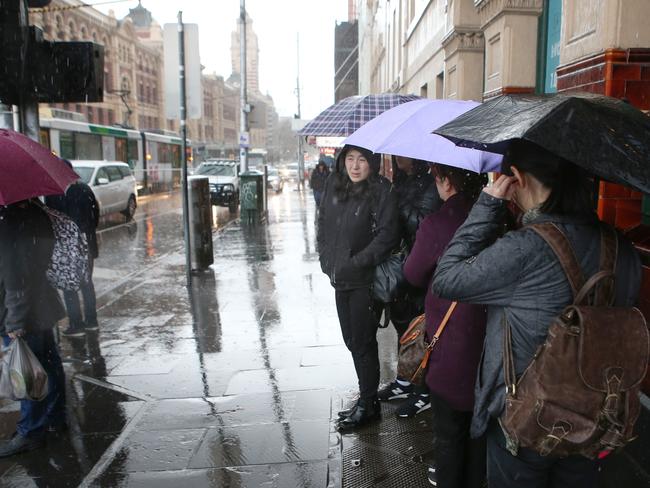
(28, 169)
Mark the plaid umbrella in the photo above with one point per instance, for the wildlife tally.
(343, 118)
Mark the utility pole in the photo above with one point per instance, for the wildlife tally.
(183, 123)
(301, 157)
(244, 137)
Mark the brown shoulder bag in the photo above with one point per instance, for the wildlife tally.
(414, 350)
(580, 393)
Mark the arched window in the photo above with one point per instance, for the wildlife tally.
(83, 33)
(72, 30)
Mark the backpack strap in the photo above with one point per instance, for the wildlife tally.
(605, 292)
(559, 243)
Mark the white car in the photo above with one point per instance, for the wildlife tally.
(112, 183)
(223, 176)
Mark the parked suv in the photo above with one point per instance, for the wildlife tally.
(223, 176)
(112, 183)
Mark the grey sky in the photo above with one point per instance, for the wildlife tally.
(276, 23)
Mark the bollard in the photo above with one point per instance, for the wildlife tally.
(200, 216)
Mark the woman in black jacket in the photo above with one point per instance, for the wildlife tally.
(357, 229)
(417, 197)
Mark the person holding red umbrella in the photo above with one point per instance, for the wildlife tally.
(29, 306)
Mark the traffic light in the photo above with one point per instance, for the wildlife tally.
(38, 70)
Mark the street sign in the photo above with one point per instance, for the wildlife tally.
(244, 139)
(193, 90)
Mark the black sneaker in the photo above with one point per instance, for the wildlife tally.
(19, 443)
(74, 332)
(432, 476)
(92, 326)
(394, 391)
(414, 405)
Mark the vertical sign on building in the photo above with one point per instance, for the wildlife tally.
(554, 32)
(192, 72)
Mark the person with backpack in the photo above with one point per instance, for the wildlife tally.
(357, 229)
(79, 203)
(30, 308)
(520, 279)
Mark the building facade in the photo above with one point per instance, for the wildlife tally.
(346, 59)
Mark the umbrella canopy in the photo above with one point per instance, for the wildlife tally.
(605, 136)
(405, 130)
(29, 170)
(346, 116)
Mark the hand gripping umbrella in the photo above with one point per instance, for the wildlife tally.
(346, 116)
(405, 130)
(603, 135)
(28, 169)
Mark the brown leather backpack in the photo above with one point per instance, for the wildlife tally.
(580, 393)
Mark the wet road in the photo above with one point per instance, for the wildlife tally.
(155, 232)
(232, 383)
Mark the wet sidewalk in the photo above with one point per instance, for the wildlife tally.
(233, 384)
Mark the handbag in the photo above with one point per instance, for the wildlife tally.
(389, 278)
(414, 350)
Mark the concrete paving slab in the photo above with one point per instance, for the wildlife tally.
(263, 444)
(288, 475)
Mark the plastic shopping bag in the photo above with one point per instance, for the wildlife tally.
(22, 376)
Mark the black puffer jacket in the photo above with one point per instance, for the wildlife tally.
(417, 197)
(357, 230)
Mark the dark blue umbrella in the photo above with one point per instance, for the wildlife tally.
(346, 116)
(605, 136)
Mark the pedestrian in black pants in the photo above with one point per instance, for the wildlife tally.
(458, 461)
(30, 308)
(357, 229)
(79, 203)
(417, 197)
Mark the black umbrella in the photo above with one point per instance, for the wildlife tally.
(603, 135)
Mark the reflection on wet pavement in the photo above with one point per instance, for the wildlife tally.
(233, 382)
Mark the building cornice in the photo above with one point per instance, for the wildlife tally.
(463, 39)
(490, 10)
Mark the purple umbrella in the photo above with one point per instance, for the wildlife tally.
(346, 116)
(29, 170)
(405, 130)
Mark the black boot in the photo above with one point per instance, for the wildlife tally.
(366, 411)
(346, 413)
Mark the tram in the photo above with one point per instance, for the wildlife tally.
(155, 158)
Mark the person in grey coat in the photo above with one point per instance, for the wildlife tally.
(521, 281)
(30, 308)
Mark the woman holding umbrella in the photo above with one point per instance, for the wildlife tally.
(451, 370)
(357, 229)
(522, 282)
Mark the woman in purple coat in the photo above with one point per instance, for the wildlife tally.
(451, 374)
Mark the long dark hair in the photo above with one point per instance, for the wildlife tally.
(464, 181)
(571, 189)
(344, 188)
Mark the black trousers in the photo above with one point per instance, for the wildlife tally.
(529, 469)
(459, 460)
(357, 312)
